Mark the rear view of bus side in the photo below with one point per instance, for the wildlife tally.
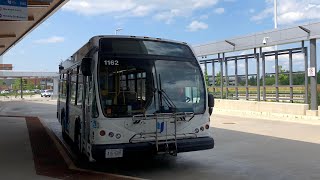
(120, 96)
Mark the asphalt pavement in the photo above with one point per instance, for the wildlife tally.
(245, 149)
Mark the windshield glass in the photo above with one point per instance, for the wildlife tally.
(182, 83)
(130, 86)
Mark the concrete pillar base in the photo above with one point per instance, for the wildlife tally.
(312, 113)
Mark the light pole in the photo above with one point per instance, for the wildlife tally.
(275, 14)
(275, 11)
(117, 30)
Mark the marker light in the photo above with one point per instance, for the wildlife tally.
(111, 134)
(102, 133)
(207, 126)
(202, 128)
(118, 136)
(196, 130)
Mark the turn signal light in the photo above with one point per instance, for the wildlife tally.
(202, 128)
(118, 136)
(207, 126)
(111, 134)
(102, 133)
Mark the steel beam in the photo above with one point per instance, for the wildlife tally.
(213, 77)
(313, 80)
(264, 76)
(21, 88)
(277, 76)
(226, 77)
(258, 72)
(290, 76)
(247, 84)
(236, 77)
(221, 76)
(306, 79)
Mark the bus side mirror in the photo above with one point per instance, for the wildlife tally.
(86, 66)
(61, 68)
(210, 103)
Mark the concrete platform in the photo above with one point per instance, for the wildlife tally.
(28, 152)
(16, 152)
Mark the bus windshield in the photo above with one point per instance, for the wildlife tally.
(133, 85)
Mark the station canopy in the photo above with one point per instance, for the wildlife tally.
(12, 31)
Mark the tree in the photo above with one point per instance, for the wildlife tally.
(218, 79)
(206, 78)
(252, 81)
(283, 78)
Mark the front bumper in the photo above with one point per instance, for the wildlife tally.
(149, 148)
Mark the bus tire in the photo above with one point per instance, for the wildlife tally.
(81, 157)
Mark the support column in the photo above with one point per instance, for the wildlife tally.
(247, 83)
(21, 88)
(221, 76)
(55, 87)
(264, 76)
(236, 77)
(306, 79)
(46, 84)
(213, 78)
(277, 75)
(227, 78)
(290, 76)
(258, 72)
(313, 80)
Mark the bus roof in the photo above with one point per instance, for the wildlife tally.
(94, 42)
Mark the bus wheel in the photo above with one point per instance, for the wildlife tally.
(81, 158)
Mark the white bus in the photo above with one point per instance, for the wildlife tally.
(121, 96)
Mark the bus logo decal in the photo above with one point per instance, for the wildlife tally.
(160, 126)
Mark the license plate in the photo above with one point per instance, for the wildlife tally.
(114, 153)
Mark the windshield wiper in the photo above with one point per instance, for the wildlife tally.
(163, 97)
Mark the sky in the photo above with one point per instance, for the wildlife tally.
(192, 21)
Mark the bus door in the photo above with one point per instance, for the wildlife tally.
(86, 104)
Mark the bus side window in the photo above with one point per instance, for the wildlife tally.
(79, 90)
(73, 86)
(94, 112)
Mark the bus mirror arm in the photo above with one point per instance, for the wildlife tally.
(86, 66)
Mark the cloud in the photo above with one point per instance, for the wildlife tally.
(164, 10)
(219, 11)
(290, 11)
(50, 40)
(196, 26)
(252, 10)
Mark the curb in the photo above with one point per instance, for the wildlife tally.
(70, 158)
(309, 120)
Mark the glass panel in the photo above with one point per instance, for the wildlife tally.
(183, 84)
(144, 47)
(132, 87)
